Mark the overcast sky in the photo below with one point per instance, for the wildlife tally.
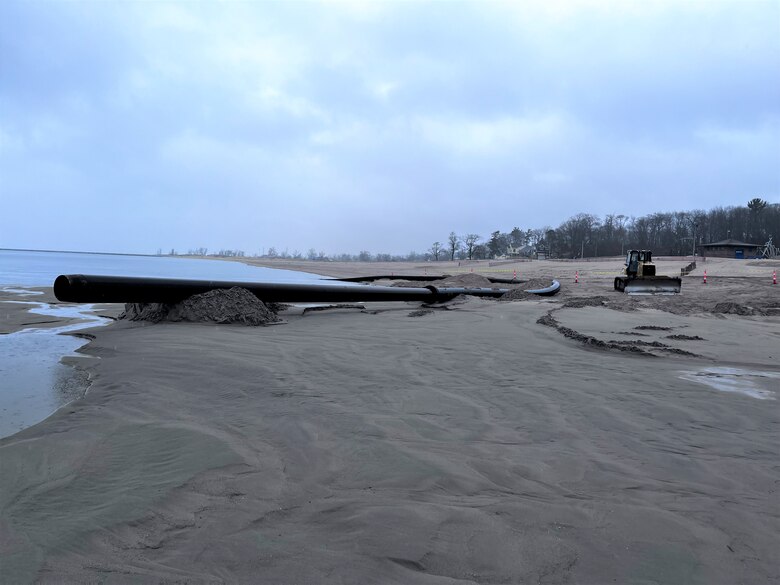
(135, 126)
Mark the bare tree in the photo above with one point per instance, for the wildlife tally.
(535, 236)
(481, 252)
(454, 241)
(470, 240)
(436, 250)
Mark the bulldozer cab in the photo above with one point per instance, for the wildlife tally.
(632, 262)
(639, 263)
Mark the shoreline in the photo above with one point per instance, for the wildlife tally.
(39, 355)
(16, 315)
(392, 444)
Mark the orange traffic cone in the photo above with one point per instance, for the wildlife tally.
(705, 277)
(774, 277)
(514, 274)
(576, 276)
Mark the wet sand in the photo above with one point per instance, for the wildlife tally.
(15, 305)
(475, 443)
(34, 380)
(16, 302)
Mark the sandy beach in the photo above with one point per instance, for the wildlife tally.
(591, 437)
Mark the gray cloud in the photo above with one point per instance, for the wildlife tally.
(135, 126)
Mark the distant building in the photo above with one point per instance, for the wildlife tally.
(731, 249)
(520, 252)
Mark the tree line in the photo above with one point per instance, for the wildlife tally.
(674, 233)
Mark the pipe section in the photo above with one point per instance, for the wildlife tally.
(547, 291)
(419, 278)
(82, 288)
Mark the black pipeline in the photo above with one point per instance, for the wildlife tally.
(82, 288)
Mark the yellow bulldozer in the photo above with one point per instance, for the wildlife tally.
(640, 277)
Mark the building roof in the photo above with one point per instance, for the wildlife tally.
(732, 242)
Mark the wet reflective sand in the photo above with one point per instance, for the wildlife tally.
(35, 382)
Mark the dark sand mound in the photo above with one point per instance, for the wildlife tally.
(731, 308)
(579, 302)
(421, 313)
(517, 294)
(235, 305)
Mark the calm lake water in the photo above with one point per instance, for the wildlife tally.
(41, 268)
(33, 382)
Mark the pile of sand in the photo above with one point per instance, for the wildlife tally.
(517, 294)
(469, 280)
(235, 305)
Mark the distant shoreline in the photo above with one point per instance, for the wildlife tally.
(79, 252)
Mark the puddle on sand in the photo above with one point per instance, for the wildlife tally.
(33, 382)
(21, 291)
(756, 384)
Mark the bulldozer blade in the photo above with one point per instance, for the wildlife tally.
(654, 286)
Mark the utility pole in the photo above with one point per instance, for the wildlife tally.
(582, 250)
(695, 225)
